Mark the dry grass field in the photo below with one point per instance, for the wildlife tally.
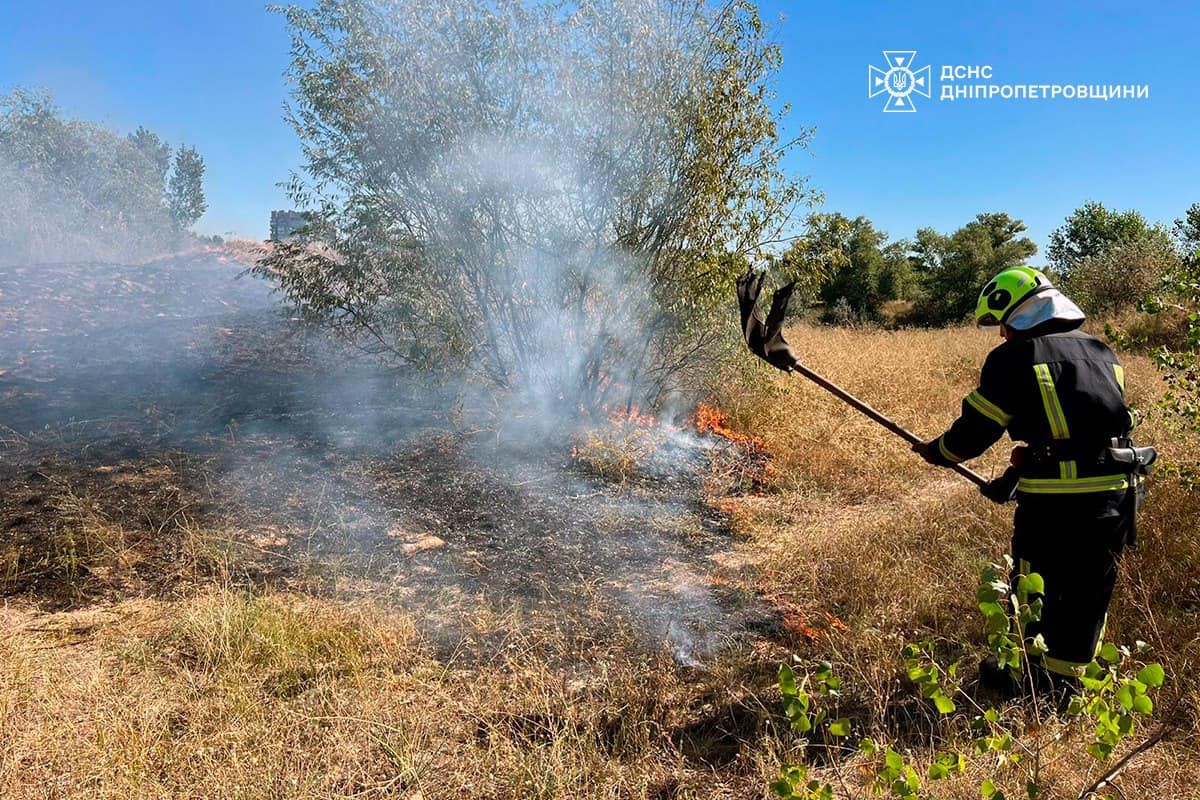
(197, 671)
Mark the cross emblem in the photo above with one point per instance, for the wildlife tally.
(899, 81)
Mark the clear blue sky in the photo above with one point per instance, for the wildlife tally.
(211, 74)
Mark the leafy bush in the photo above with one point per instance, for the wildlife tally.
(1093, 230)
(848, 266)
(1115, 693)
(1108, 260)
(1117, 278)
(1180, 365)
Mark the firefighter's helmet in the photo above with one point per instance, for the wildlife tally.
(1006, 292)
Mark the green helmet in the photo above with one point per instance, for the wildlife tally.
(1013, 286)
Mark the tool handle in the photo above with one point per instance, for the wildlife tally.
(908, 436)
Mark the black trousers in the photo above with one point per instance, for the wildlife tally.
(1074, 542)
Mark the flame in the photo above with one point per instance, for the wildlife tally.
(632, 416)
(710, 419)
(801, 623)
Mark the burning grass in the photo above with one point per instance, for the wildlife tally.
(622, 448)
(744, 466)
(228, 594)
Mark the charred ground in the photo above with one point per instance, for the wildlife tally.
(178, 410)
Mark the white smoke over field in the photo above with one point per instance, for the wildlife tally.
(524, 213)
(549, 200)
(178, 379)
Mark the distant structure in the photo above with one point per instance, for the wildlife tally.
(285, 224)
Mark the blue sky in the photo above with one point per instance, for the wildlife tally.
(211, 74)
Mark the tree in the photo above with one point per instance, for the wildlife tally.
(1106, 260)
(1093, 230)
(1187, 234)
(848, 265)
(73, 189)
(1121, 276)
(185, 189)
(152, 147)
(545, 191)
(952, 269)
(854, 277)
(897, 280)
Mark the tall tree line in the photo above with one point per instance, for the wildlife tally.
(77, 190)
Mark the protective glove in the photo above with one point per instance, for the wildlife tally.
(1001, 489)
(926, 451)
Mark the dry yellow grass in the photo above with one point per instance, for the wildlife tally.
(228, 694)
(863, 529)
(225, 692)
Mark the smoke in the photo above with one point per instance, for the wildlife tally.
(544, 194)
(76, 190)
(317, 455)
(578, 326)
(512, 203)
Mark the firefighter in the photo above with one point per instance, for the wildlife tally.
(1077, 479)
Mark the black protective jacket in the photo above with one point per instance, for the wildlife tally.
(1060, 391)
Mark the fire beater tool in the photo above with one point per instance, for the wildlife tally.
(765, 340)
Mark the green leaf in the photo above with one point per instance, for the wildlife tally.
(840, 727)
(991, 608)
(1032, 584)
(987, 789)
(944, 704)
(787, 680)
(894, 760)
(992, 715)
(1151, 675)
(792, 707)
(782, 788)
(1125, 697)
(1110, 653)
(868, 746)
(945, 764)
(1143, 704)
